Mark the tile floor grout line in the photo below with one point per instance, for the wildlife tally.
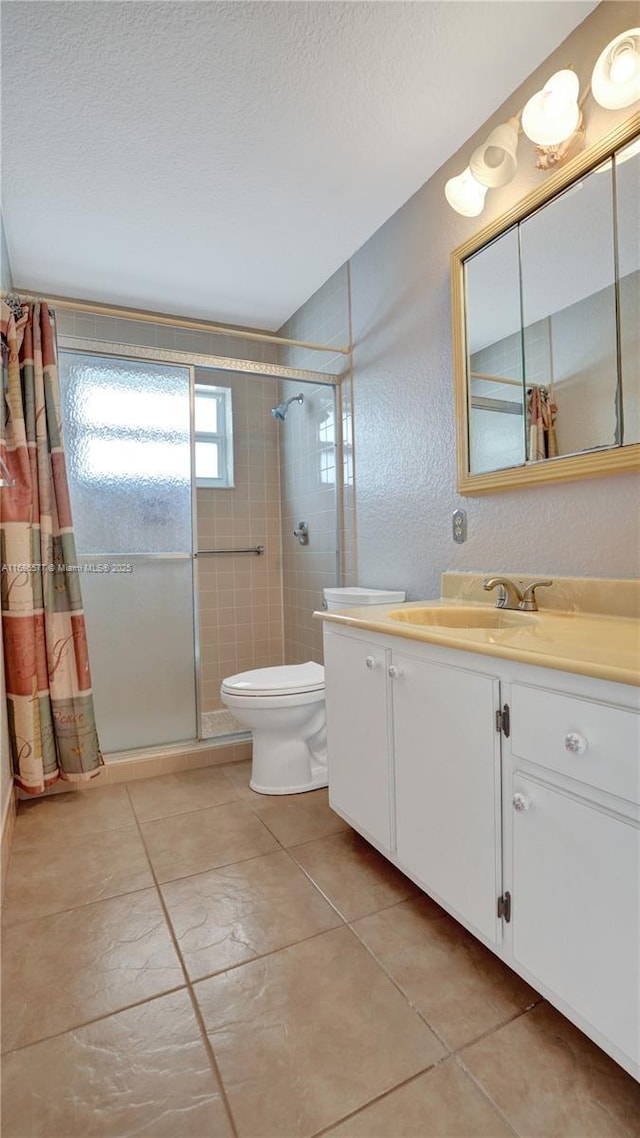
(214, 868)
(76, 908)
(449, 1050)
(95, 1019)
(383, 1095)
(484, 1092)
(206, 1042)
(26, 840)
(315, 884)
(498, 1027)
(347, 920)
(266, 955)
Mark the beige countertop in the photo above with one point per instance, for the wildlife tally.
(594, 644)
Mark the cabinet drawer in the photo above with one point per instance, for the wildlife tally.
(592, 742)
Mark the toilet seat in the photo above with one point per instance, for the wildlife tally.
(281, 681)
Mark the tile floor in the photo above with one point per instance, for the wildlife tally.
(183, 958)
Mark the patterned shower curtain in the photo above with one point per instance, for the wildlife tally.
(51, 721)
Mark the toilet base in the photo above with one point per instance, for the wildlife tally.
(282, 765)
(320, 781)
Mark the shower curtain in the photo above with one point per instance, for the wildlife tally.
(541, 418)
(50, 713)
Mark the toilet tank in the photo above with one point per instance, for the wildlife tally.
(354, 597)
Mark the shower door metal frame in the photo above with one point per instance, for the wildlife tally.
(190, 361)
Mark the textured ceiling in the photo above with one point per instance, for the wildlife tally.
(223, 159)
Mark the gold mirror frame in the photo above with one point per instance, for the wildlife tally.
(561, 469)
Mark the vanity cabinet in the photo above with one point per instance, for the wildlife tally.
(447, 778)
(572, 794)
(575, 912)
(361, 776)
(414, 762)
(524, 826)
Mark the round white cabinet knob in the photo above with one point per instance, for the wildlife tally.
(371, 662)
(394, 672)
(521, 803)
(575, 744)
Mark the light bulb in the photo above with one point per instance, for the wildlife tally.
(624, 63)
(615, 82)
(495, 162)
(553, 113)
(465, 194)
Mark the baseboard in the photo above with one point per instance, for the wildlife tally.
(8, 826)
(148, 764)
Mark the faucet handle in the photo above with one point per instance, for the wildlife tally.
(529, 602)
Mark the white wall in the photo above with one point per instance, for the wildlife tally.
(404, 417)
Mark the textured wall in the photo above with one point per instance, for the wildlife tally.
(404, 418)
(5, 268)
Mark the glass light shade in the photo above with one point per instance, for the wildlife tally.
(553, 113)
(495, 163)
(465, 194)
(615, 81)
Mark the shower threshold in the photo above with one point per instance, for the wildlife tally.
(217, 723)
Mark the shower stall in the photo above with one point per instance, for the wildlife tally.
(187, 474)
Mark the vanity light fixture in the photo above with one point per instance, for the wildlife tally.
(552, 115)
(465, 194)
(615, 82)
(495, 162)
(553, 120)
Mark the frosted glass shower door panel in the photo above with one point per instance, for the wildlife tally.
(140, 633)
(127, 429)
(127, 433)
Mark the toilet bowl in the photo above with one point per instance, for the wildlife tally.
(284, 709)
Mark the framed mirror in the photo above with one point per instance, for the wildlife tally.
(546, 317)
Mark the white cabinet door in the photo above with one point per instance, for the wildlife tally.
(576, 906)
(447, 759)
(360, 761)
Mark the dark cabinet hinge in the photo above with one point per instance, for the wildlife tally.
(503, 721)
(504, 907)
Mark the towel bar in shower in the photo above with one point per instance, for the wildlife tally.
(257, 549)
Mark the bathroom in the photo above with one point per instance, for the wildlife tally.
(267, 1023)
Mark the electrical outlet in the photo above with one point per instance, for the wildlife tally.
(459, 526)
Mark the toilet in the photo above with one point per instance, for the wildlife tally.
(284, 708)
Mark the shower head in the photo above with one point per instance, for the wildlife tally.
(280, 412)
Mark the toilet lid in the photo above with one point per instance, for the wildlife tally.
(291, 679)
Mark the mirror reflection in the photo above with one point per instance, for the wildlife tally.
(569, 319)
(627, 172)
(496, 392)
(551, 316)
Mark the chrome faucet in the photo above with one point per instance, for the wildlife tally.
(511, 596)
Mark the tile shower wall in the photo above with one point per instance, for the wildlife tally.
(118, 330)
(311, 446)
(308, 493)
(241, 595)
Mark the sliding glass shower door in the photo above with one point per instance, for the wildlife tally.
(127, 430)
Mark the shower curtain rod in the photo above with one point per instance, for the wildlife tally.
(144, 316)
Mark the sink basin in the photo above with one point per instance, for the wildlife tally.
(442, 616)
